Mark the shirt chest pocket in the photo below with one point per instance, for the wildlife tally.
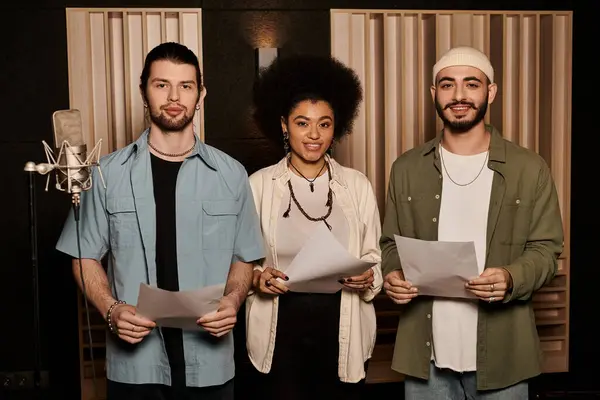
(219, 218)
(515, 220)
(123, 222)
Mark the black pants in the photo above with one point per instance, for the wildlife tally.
(125, 391)
(305, 361)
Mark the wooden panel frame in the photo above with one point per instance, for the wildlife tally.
(532, 56)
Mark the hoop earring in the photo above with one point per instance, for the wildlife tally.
(286, 142)
(330, 149)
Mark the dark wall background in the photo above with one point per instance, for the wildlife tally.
(34, 72)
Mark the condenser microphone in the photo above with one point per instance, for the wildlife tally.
(73, 173)
(72, 165)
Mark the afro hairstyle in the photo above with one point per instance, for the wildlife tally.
(293, 79)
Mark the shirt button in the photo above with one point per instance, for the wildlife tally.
(437, 196)
(409, 199)
(518, 201)
(428, 316)
(427, 344)
(440, 176)
(434, 219)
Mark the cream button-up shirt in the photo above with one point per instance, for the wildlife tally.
(354, 194)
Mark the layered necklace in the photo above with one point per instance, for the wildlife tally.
(311, 182)
(328, 204)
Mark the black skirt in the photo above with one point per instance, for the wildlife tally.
(305, 360)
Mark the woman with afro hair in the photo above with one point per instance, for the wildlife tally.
(311, 345)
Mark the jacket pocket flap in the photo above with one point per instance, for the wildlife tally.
(120, 205)
(220, 207)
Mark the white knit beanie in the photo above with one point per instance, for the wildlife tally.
(464, 56)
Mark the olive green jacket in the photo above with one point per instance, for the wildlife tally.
(524, 235)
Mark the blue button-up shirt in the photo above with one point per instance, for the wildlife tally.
(216, 225)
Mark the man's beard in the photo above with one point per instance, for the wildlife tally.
(167, 124)
(462, 125)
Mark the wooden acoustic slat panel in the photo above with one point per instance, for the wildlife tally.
(106, 51)
(531, 55)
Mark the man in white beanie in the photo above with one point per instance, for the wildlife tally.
(471, 185)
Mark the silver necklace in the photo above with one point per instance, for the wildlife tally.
(474, 179)
(174, 155)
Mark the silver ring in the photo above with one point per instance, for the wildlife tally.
(492, 287)
(491, 299)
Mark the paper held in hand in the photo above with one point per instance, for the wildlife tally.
(436, 268)
(321, 262)
(178, 309)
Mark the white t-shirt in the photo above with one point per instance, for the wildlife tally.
(463, 218)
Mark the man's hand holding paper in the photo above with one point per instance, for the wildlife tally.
(180, 309)
(435, 268)
(491, 285)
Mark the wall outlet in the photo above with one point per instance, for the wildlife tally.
(22, 380)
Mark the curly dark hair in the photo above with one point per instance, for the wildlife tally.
(293, 79)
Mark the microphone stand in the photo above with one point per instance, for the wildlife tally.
(31, 170)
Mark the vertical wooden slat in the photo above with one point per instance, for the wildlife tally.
(163, 27)
(410, 88)
(127, 76)
(378, 131)
(200, 115)
(153, 30)
(357, 61)
(546, 88)
(496, 111)
(444, 40)
(119, 86)
(144, 33)
(481, 33)
(462, 29)
(559, 113)
(428, 113)
(88, 116)
(98, 76)
(135, 57)
(368, 101)
(180, 26)
(110, 143)
(511, 78)
(390, 29)
(537, 82)
(421, 76)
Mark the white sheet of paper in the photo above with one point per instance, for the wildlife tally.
(437, 268)
(178, 309)
(321, 262)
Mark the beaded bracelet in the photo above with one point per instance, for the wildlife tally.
(109, 315)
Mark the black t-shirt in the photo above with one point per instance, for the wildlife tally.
(164, 176)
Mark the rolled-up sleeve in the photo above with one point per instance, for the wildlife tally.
(248, 237)
(93, 225)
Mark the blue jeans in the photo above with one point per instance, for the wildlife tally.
(445, 384)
